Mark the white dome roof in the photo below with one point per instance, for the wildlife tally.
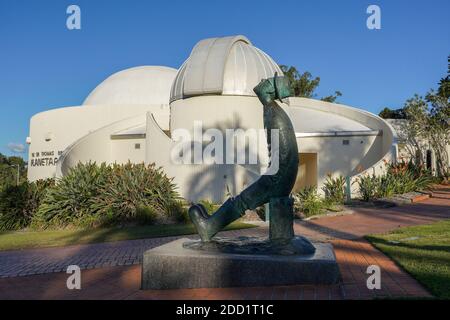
(227, 66)
(140, 85)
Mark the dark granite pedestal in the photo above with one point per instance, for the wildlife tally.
(172, 266)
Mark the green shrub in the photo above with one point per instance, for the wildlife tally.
(334, 189)
(8, 171)
(72, 199)
(387, 186)
(177, 211)
(132, 186)
(92, 195)
(146, 215)
(308, 201)
(369, 187)
(18, 204)
(399, 178)
(424, 182)
(410, 177)
(209, 206)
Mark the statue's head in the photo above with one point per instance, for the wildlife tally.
(273, 88)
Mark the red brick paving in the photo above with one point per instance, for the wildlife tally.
(91, 256)
(368, 221)
(353, 254)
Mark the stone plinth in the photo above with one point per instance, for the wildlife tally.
(171, 266)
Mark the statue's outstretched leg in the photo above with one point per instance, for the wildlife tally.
(208, 226)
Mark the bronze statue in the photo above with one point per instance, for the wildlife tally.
(273, 189)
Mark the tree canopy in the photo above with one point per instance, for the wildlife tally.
(8, 170)
(428, 121)
(444, 84)
(387, 113)
(305, 85)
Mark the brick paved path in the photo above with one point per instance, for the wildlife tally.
(90, 256)
(123, 282)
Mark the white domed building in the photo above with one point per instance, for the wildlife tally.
(142, 114)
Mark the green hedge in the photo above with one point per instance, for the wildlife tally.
(95, 195)
(398, 179)
(19, 203)
(92, 195)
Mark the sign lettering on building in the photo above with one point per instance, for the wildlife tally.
(44, 158)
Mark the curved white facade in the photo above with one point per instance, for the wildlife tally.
(136, 114)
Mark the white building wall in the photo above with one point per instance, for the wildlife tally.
(338, 159)
(51, 132)
(124, 150)
(209, 182)
(195, 182)
(96, 146)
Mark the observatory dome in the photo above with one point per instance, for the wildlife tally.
(144, 85)
(223, 66)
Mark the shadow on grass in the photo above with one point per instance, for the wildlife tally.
(112, 234)
(57, 238)
(429, 264)
(379, 241)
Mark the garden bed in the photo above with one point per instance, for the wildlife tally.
(386, 202)
(345, 211)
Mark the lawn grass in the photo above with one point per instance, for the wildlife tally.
(13, 240)
(423, 251)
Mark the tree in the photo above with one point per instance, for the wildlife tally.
(8, 170)
(444, 84)
(413, 130)
(438, 133)
(332, 98)
(387, 113)
(427, 125)
(304, 84)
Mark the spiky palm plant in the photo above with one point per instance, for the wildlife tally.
(131, 187)
(93, 195)
(334, 189)
(308, 201)
(71, 199)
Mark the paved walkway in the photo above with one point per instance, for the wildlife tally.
(122, 282)
(90, 256)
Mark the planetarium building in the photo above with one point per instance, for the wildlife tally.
(137, 114)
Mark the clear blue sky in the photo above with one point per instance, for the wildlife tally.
(43, 65)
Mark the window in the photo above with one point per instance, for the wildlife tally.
(345, 142)
(137, 145)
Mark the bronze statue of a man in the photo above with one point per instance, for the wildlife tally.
(275, 188)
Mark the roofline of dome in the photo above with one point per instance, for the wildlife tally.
(85, 102)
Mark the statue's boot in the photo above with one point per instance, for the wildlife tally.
(203, 210)
(208, 226)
